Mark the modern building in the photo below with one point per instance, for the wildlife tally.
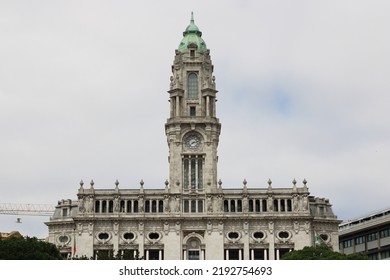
(193, 217)
(369, 235)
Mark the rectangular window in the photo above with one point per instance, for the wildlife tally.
(264, 205)
(186, 173)
(154, 254)
(200, 174)
(259, 254)
(160, 206)
(192, 86)
(251, 205)
(276, 205)
(186, 206)
(193, 206)
(385, 255)
(135, 206)
(129, 208)
(372, 237)
(239, 205)
(257, 204)
(193, 255)
(282, 206)
(232, 254)
(360, 240)
(192, 111)
(154, 206)
(193, 173)
(200, 206)
(147, 206)
(64, 212)
(289, 206)
(232, 205)
(347, 243)
(385, 233)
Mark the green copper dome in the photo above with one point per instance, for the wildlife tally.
(192, 35)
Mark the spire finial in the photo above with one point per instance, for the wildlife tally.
(192, 17)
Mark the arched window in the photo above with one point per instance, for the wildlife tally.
(192, 86)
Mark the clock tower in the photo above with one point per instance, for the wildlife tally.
(192, 129)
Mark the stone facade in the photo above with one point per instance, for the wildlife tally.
(194, 217)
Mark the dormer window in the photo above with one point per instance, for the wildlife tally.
(192, 86)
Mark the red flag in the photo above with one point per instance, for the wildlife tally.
(74, 243)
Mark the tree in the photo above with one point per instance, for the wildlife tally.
(321, 252)
(28, 248)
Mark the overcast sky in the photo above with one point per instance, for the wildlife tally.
(304, 92)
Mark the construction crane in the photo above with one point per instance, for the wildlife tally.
(26, 209)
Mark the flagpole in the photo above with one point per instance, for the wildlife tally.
(74, 249)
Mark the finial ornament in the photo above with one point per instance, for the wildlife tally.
(294, 182)
(142, 183)
(304, 182)
(81, 183)
(166, 183)
(269, 182)
(245, 182)
(92, 183)
(192, 17)
(117, 183)
(220, 183)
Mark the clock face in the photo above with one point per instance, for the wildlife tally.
(192, 142)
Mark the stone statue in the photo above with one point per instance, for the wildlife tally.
(209, 204)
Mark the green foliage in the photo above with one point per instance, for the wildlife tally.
(28, 248)
(321, 252)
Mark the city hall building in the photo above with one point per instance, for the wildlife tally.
(193, 217)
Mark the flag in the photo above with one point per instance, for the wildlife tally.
(74, 244)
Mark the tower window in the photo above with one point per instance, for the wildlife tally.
(192, 86)
(192, 111)
(193, 173)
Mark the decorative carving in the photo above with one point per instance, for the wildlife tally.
(271, 226)
(176, 81)
(166, 204)
(209, 204)
(141, 227)
(116, 228)
(177, 227)
(295, 203)
(307, 227)
(116, 204)
(296, 227)
(90, 228)
(177, 204)
(79, 228)
(141, 203)
(270, 203)
(220, 227)
(209, 227)
(81, 204)
(245, 203)
(246, 227)
(166, 228)
(89, 204)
